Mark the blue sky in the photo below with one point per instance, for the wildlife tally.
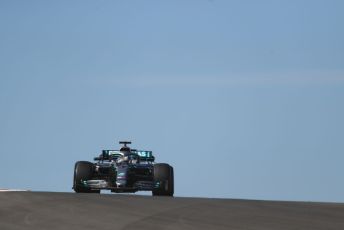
(243, 98)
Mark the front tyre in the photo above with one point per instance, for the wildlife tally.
(83, 171)
(163, 180)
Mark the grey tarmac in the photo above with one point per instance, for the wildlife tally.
(50, 210)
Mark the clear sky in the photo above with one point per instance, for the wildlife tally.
(244, 98)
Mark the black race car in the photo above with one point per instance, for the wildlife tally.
(124, 170)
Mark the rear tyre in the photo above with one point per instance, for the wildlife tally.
(163, 175)
(83, 170)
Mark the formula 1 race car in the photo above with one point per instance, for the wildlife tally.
(124, 170)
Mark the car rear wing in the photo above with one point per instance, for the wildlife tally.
(114, 154)
(145, 155)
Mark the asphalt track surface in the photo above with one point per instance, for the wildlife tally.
(43, 210)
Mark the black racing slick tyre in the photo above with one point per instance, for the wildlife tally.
(163, 176)
(83, 170)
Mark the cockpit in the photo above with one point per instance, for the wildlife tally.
(131, 158)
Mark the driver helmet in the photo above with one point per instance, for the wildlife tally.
(125, 150)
